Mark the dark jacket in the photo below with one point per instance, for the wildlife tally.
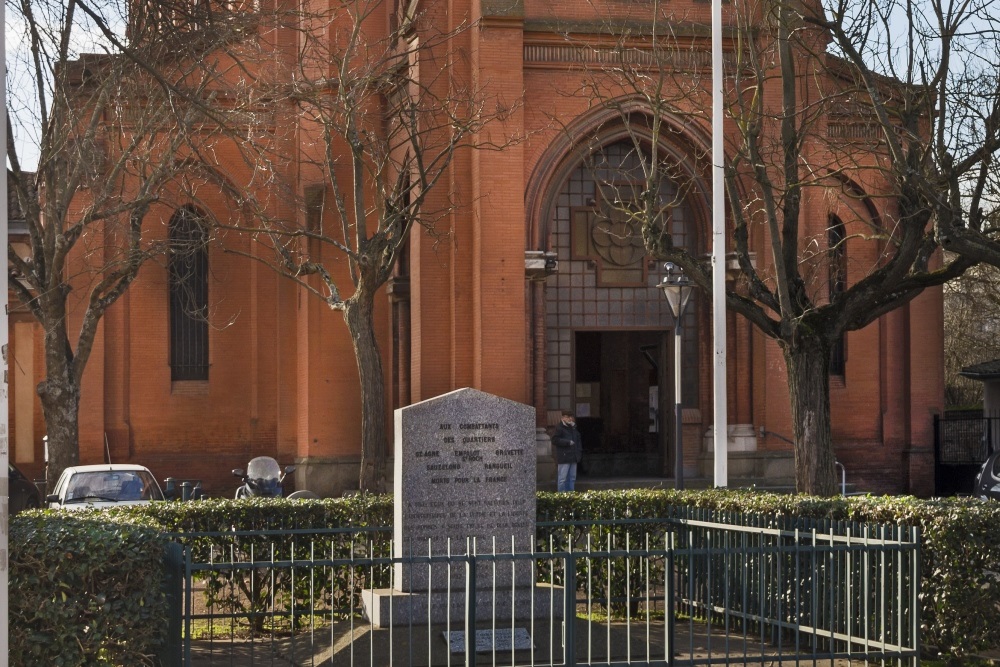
(567, 446)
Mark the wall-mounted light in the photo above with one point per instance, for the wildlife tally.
(539, 264)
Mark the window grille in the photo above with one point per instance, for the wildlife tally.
(315, 196)
(188, 270)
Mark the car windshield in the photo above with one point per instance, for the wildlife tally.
(112, 486)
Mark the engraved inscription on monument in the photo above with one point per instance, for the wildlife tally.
(467, 453)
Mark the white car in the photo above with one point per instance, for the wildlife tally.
(106, 485)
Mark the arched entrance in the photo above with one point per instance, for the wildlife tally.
(608, 329)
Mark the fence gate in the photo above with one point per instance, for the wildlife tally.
(962, 442)
(694, 589)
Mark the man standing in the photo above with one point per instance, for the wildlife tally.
(568, 451)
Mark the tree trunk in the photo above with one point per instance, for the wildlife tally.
(809, 387)
(60, 398)
(359, 316)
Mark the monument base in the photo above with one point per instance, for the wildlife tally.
(385, 606)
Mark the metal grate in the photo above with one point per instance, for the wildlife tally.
(965, 440)
(188, 271)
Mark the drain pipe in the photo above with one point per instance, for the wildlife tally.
(843, 477)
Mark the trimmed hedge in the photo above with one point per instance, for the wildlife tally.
(960, 557)
(221, 515)
(85, 590)
(960, 544)
(247, 594)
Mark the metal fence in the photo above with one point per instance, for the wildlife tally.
(697, 589)
(963, 440)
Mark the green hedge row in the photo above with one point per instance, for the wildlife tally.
(100, 571)
(85, 591)
(960, 557)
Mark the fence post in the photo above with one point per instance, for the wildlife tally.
(938, 482)
(470, 604)
(989, 435)
(173, 565)
(915, 596)
(668, 598)
(569, 613)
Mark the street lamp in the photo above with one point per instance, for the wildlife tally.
(677, 287)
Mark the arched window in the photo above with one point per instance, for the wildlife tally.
(188, 273)
(837, 239)
(606, 285)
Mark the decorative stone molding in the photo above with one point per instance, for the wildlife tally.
(502, 8)
(680, 59)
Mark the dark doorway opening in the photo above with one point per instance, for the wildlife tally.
(622, 386)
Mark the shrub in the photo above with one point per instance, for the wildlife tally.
(62, 564)
(232, 527)
(85, 590)
(960, 544)
(247, 514)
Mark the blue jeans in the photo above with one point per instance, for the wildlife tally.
(566, 477)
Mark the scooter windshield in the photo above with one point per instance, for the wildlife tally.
(264, 468)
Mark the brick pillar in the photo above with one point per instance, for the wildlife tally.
(499, 232)
(926, 363)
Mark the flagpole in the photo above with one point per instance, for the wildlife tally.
(720, 430)
(4, 413)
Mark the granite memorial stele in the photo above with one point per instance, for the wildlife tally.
(464, 482)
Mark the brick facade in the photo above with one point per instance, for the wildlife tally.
(282, 377)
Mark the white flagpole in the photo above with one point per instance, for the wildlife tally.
(720, 432)
(4, 420)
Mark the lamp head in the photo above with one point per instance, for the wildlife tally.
(676, 287)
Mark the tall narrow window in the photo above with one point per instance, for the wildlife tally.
(838, 283)
(188, 269)
(315, 196)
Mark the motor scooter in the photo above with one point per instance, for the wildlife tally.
(263, 479)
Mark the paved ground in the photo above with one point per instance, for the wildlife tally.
(333, 647)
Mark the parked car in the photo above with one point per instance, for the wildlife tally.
(988, 480)
(24, 494)
(105, 485)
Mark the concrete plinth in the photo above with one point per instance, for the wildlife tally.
(385, 606)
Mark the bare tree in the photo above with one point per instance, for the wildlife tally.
(115, 135)
(806, 131)
(947, 56)
(383, 117)
(971, 321)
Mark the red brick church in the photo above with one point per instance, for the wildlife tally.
(522, 299)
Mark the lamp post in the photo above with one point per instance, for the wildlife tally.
(677, 287)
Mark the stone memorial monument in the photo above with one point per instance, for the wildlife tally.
(464, 479)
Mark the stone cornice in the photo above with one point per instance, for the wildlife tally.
(501, 9)
(617, 28)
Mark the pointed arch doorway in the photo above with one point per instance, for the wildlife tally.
(608, 352)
